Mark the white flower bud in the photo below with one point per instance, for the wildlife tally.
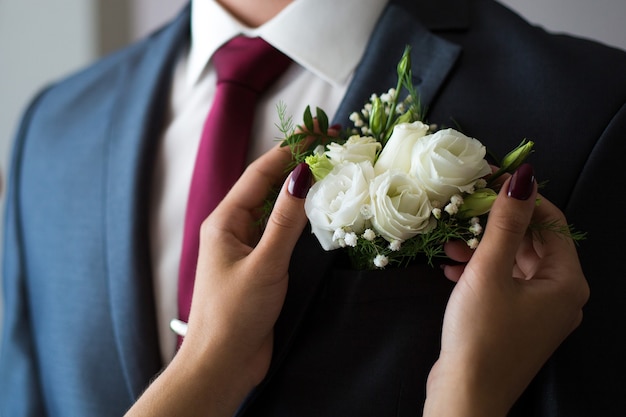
(472, 243)
(351, 239)
(451, 209)
(369, 235)
(381, 261)
(395, 245)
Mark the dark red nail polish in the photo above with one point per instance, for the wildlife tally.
(300, 181)
(522, 183)
(336, 126)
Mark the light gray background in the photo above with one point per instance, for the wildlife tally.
(42, 40)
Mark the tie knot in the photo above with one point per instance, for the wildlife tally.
(250, 62)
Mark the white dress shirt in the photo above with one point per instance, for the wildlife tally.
(324, 38)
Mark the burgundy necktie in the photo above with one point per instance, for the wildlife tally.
(245, 68)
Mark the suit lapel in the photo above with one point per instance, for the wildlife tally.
(432, 60)
(143, 85)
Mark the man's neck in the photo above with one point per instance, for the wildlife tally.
(254, 13)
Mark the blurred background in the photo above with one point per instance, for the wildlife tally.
(42, 40)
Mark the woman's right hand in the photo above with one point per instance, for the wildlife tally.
(516, 299)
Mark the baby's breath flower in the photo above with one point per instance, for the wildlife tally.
(472, 243)
(451, 209)
(437, 213)
(474, 220)
(339, 234)
(480, 183)
(456, 199)
(381, 261)
(354, 116)
(350, 239)
(369, 235)
(476, 229)
(395, 245)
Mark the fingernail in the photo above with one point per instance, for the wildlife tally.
(300, 181)
(336, 126)
(522, 183)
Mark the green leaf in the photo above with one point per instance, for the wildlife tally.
(322, 120)
(308, 119)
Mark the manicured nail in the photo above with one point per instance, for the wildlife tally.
(522, 183)
(300, 181)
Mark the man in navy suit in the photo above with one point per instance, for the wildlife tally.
(84, 301)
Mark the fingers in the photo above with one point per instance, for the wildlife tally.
(253, 187)
(457, 251)
(507, 224)
(548, 214)
(453, 272)
(287, 219)
(559, 259)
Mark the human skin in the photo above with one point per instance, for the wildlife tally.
(240, 286)
(499, 327)
(516, 299)
(254, 13)
(242, 279)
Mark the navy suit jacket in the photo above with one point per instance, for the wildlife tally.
(80, 335)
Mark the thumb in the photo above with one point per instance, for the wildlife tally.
(288, 218)
(507, 224)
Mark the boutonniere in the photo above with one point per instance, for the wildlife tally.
(393, 187)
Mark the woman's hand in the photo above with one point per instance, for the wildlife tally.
(240, 287)
(515, 301)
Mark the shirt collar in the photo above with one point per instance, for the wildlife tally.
(328, 44)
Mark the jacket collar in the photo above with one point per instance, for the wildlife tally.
(438, 15)
(432, 57)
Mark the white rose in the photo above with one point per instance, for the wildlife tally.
(336, 201)
(401, 207)
(448, 162)
(397, 152)
(356, 149)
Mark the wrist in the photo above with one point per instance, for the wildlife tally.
(457, 388)
(215, 373)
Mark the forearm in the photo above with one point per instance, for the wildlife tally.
(458, 391)
(195, 384)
